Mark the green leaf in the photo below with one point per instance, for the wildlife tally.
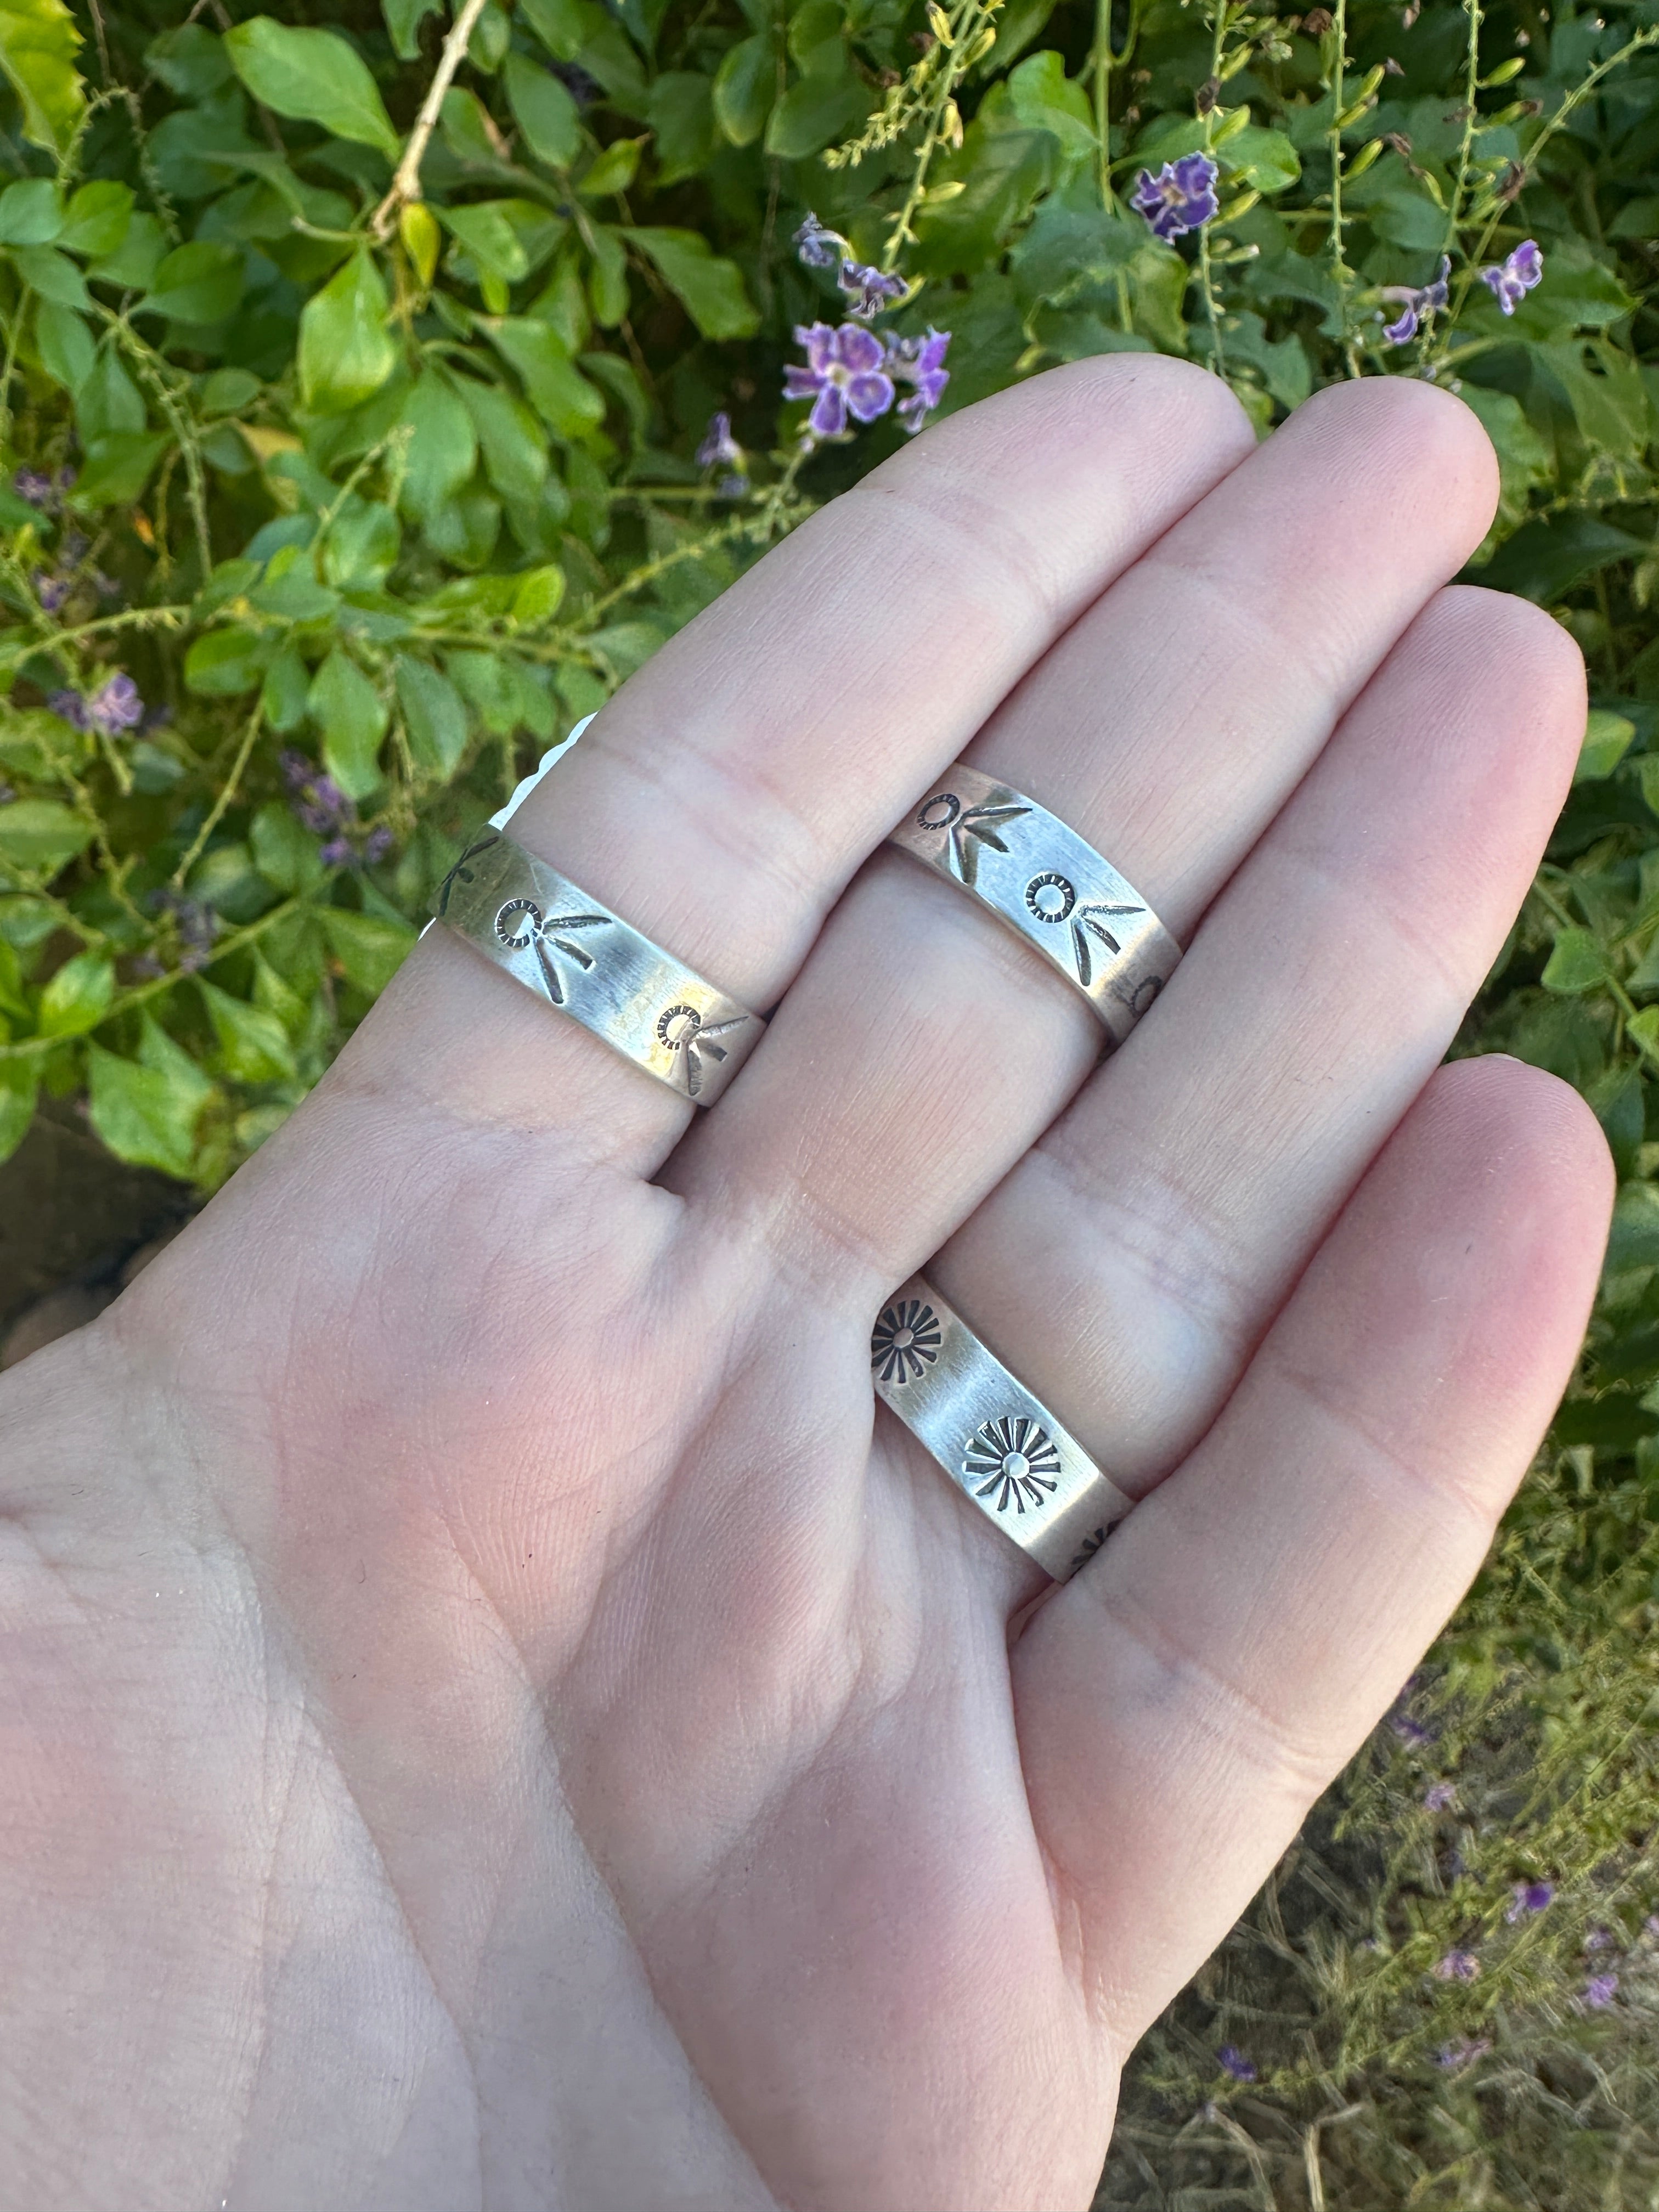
(709, 287)
(38, 46)
(77, 997)
(489, 237)
(147, 1111)
(369, 949)
(221, 664)
(137, 258)
(52, 275)
(1606, 740)
(607, 282)
(118, 467)
(19, 1088)
(201, 283)
(190, 61)
(254, 1045)
(1544, 560)
(434, 716)
(352, 717)
(557, 389)
(514, 443)
(1263, 161)
(69, 352)
(42, 835)
(315, 77)
(443, 449)
(1043, 98)
(681, 113)
(346, 351)
(284, 853)
(1605, 391)
(745, 85)
(538, 596)
(97, 220)
(813, 113)
(615, 169)
(1578, 964)
(403, 19)
(31, 213)
(544, 111)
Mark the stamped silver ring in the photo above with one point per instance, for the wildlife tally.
(572, 952)
(1042, 880)
(999, 1444)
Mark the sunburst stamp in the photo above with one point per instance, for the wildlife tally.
(1011, 1462)
(905, 1342)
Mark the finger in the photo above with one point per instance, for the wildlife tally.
(1191, 1693)
(726, 794)
(1129, 1265)
(1168, 727)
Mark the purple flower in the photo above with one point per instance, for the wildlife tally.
(1600, 1991)
(1599, 1939)
(337, 852)
(51, 590)
(731, 488)
(1457, 1966)
(868, 289)
(1419, 304)
(319, 804)
(1438, 1795)
(1511, 280)
(719, 449)
(117, 706)
(842, 374)
(818, 248)
(37, 489)
(69, 707)
(376, 846)
(1529, 1897)
(1180, 198)
(1232, 2061)
(1453, 2055)
(1409, 1730)
(920, 363)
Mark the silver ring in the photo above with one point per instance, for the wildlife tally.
(572, 952)
(1042, 880)
(999, 1444)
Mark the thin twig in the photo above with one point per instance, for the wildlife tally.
(406, 180)
(220, 805)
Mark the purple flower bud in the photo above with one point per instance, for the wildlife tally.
(1457, 1966)
(868, 289)
(1510, 280)
(1529, 1897)
(920, 363)
(51, 590)
(117, 706)
(337, 853)
(71, 708)
(376, 846)
(1232, 2061)
(1600, 1991)
(816, 246)
(1453, 2055)
(719, 449)
(1420, 303)
(1438, 1795)
(844, 373)
(1179, 198)
(30, 484)
(731, 488)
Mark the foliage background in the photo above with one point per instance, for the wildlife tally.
(403, 479)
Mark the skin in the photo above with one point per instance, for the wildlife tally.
(487, 1719)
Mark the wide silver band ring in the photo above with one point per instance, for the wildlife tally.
(1045, 882)
(999, 1445)
(572, 950)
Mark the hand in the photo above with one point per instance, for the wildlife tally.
(485, 1724)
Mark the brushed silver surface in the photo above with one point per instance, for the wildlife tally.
(999, 1445)
(1042, 881)
(575, 953)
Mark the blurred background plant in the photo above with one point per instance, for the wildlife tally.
(379, 392)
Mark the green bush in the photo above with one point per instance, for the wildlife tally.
(377, 395)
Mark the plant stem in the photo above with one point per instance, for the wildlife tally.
(217, 812)
(1105, 62)
(1471, 120)
(407, 179)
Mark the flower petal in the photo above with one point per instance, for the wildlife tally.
(829, 416)
(870, 396)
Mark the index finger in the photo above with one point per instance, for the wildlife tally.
(728, 791)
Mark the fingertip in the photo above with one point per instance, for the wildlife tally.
(1397, 447)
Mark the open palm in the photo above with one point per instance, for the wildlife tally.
(486, 1723)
